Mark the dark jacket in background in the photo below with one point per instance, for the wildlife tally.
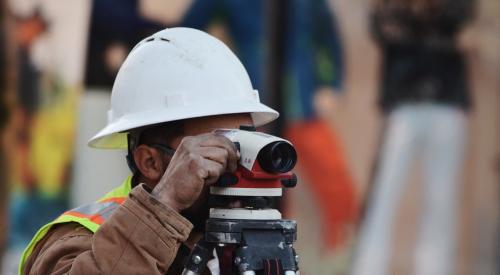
(420, 59)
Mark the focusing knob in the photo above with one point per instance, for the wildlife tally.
(291, 182)
(256, 202)
(227, 180)
(249, 128)
(237, 145)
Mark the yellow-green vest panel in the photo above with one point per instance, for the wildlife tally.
(90, 216)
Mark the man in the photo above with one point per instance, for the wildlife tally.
(173, 90)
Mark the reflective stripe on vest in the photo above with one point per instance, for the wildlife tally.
(96, 212)
(90, 216)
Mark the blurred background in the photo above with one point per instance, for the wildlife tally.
(393, 106)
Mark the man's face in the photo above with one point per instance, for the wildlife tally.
(198, 212)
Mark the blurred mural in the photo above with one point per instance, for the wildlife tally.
(47, 60)
(3, 119)
(343, 76)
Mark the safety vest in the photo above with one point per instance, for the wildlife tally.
(90, 216)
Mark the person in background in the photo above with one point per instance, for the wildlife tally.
(115, 27)
(245, 24)
(313, 78)
(425, 99)
(312, 72)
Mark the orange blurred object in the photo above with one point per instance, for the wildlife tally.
(322, 162)
(29, 29)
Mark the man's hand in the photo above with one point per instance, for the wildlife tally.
(327, 102)
(199, 160)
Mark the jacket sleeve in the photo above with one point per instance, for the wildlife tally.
(141, 237)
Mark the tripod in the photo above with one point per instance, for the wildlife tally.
(261, 242)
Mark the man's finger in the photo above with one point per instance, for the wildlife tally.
(216, 154)
(217, 140)
(222, 156)
(214, 170)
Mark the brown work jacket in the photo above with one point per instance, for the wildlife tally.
(143, 236)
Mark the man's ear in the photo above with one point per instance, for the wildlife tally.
(150, 163)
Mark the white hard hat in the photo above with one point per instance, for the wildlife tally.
(175, 74)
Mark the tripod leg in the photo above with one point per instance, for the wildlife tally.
(198, 258)
(288, 272)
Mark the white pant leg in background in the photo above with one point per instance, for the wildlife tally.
(398, 150)
(443, 153)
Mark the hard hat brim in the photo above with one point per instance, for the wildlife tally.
(114, 135)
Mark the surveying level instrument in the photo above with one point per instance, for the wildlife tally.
(253, 236)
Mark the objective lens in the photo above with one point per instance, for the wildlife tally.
(277, 157)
